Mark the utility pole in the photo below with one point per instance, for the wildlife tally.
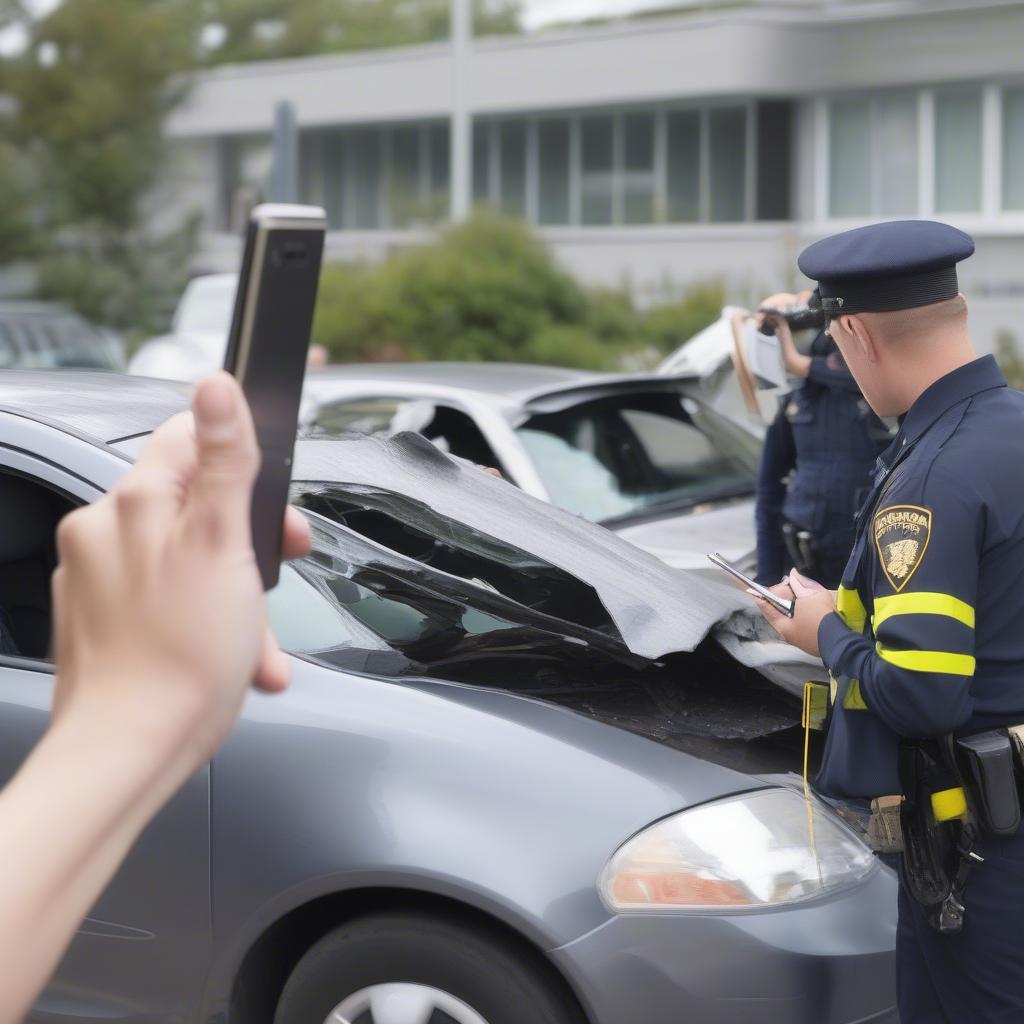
(461, 168)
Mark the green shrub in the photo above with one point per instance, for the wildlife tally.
(490, 289)
(667, 327)
(566, 345)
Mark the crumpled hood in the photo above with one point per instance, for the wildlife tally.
(657, 610)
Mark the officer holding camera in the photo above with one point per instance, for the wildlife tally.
(923, 640)
(818, 452)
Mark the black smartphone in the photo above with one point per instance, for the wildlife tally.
(267, 349)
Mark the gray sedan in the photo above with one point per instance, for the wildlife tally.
(514, 780)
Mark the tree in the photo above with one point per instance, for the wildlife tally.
(91, 92)
(260, 29)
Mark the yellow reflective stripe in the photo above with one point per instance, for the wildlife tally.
(948, 804)
(854, 700)
(851, 609)
(922, 604)
(928, 661)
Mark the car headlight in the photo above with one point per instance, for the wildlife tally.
(747, 852)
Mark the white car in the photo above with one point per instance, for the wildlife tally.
(198, 337)
(642, 454)
(668, 460)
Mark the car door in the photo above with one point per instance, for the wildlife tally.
(141, 954)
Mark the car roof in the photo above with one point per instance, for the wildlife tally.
(516, 383)
(506, 379)
(106, 406)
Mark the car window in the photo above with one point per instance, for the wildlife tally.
(361, 416)
(451, 429)
(629, 454)
(306, 619)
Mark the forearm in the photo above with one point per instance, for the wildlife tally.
(68, 818)
(913, 703)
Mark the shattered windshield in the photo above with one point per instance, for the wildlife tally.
(379, 596)
(634, 453)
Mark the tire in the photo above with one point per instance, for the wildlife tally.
(484, 975)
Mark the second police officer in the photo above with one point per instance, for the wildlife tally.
(817, 459)
(924, 640)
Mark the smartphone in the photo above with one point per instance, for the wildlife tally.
(779, 603)
(267, 349)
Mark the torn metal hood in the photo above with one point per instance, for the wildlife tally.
(656, 610)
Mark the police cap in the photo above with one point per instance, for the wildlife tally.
(881, 267)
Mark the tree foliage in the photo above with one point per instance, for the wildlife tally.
(490, 289)
(261, 29)
(90, 92)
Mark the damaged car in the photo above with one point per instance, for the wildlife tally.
(642, 454)
(524, 771)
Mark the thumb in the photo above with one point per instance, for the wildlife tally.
(227, 459)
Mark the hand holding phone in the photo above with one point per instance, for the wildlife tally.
(267, 349)
(787, 607)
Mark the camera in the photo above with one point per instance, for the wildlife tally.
(800, 318)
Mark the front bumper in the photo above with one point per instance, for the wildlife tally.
(827, 962)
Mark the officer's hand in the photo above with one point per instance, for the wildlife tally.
(813, 603)
(797, 364)
(780, 300)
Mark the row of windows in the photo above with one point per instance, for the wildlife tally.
(877, 147)
(910, 153)
(640, 167)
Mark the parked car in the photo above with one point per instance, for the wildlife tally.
(639, 453)
(47, 335)
(197, 340)
(515, 779)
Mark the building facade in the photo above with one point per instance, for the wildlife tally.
(709, 145)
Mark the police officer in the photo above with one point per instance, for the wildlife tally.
(816, 462)
(924, 640)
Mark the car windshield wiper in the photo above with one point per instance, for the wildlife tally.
(679, 503)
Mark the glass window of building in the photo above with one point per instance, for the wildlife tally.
(440, 164)
(774, 159)
(958, 152)
(597, 179)
(513, 167)
(404, 205)
(334, 179)
(638, 168)
(849, 157)
(482, 162)
(1013, 149)
(727, 142)
(894, 144)
(683, 170)
(553, 142)
(311, 168)
(364, 146)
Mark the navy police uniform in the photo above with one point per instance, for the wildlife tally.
(928, 636)
(825, 439)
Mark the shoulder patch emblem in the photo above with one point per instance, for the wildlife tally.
(901, 535)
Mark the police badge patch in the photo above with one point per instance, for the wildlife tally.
(901, 537)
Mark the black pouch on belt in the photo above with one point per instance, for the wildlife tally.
(930, 853)
(987, 763)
